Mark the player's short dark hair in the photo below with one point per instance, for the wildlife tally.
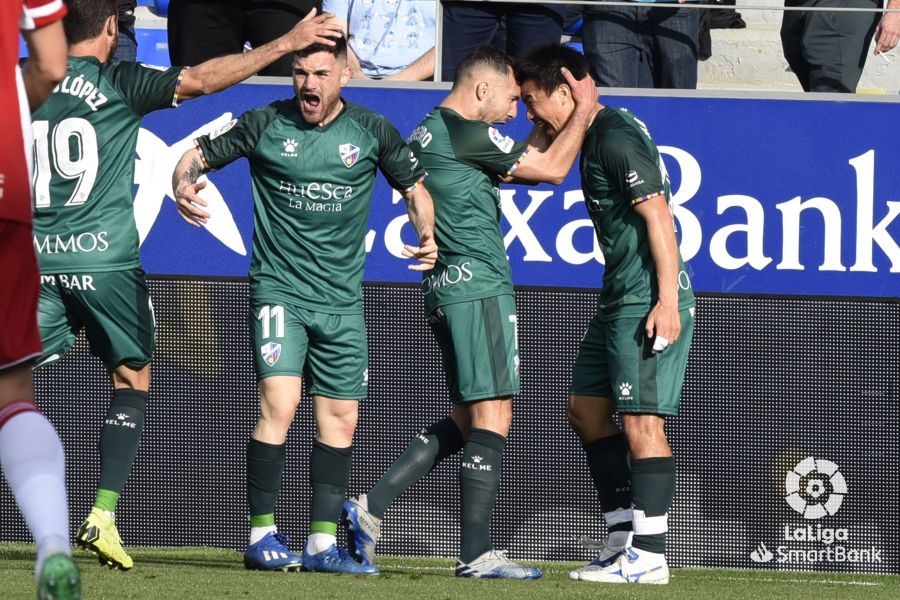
(339, 50)
(86, 19)
(486, 57)
(542, 65)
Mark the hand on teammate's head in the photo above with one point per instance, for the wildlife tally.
(314, 29)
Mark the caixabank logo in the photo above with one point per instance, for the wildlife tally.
(815, 489)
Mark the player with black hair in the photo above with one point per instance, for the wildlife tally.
(634, 354)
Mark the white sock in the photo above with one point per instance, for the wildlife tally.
(34, 466)
(258, 533)
(317, 542)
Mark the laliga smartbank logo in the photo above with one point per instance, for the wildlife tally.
(814, 489)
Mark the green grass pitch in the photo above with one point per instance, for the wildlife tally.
(200, 573)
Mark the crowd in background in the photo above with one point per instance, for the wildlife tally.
(635, 47)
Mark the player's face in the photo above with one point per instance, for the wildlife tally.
(318, 79)
(545, 110)
(502, 100)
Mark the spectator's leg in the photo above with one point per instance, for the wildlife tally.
(264, 23)
(675, 39)
(836, 45)
(612, 45)
(127, 48)
(793, 24)
(467, 25)
(530, 25)
(204, 29)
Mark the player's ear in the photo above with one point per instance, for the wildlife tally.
(112, 26)
(345, 76)
(481, 90)
(564, 93)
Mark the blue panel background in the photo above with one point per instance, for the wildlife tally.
(770, 150)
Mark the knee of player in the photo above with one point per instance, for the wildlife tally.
(643, 426)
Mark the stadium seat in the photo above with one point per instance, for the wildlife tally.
(574, 28)
(153, 46)
(160, 7)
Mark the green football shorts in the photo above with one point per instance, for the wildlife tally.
(615, 361)
(329, 350)
(479, 347)
(114, 309)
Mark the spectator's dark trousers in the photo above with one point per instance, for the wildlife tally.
(642, 47)
(512, 27)
(204, 29)
(827, 50)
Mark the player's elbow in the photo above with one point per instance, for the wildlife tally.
(48, 71)
(556, 179)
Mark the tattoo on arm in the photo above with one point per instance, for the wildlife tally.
(194, 171)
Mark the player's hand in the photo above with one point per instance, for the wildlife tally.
(314, 29)
(188, 200)
(584, 91)
(887, 34)
(663, 326)
(426, 253)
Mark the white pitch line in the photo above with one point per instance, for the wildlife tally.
(817, 581)
(748, 579)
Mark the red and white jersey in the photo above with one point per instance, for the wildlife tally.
(15, 118)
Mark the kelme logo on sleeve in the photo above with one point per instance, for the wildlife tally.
(349, 154)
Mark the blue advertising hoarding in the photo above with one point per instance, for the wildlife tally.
(794, 197)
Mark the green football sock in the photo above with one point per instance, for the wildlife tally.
(653, 488)
(424, 453)
(607, 460)
(479, 480)
(120, 437)
(329, 473)
(265, 465)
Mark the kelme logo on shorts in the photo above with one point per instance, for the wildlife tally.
(815, 488)
(349, 154)
(625, 390)
(271, 352)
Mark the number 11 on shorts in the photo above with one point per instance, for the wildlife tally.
(266, 315)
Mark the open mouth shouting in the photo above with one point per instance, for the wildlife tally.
(310, 102)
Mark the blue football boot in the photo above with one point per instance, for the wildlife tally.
(272, 554)
(336, 560)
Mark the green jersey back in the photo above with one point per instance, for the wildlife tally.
(85, 136)
(312, 189)
(621, 167)
(465, 161)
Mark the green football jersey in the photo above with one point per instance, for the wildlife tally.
(465, 161)
(621, 167)
(312, 189)
(85, 136)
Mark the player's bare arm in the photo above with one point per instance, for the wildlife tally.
(552, 165)
(420, 208)
(187, 189)
(664, 321)
(46, 63)
(219, 73)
